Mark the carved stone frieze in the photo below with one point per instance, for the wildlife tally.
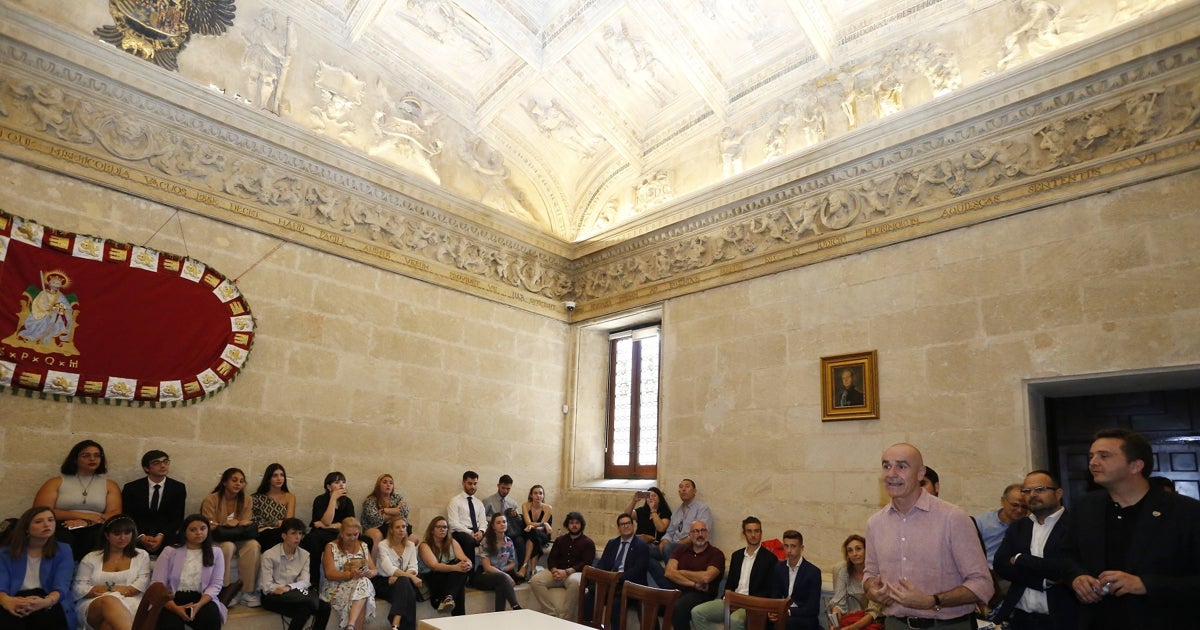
(1116, 125)
(999, 164)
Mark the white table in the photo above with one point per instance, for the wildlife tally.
(523, 619)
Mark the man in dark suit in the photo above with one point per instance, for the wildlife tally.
(156, 502)
(1137, 549)
(754, 579)
(849, 396)
(1033, 558)
(626, 553)
(800, 580)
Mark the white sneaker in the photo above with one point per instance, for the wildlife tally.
(251, 600)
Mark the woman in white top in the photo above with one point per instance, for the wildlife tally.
(82, 498)
(110, 581)
(192, 570)
(848, 595)
(396, 559)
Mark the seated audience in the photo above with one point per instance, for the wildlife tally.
(849, 598)
(798, 579)
(539, 524)
(398, 579)
(349, 568)
(82, 498)
(285, 582)
(628, 554)
(503, 502)
(444, 567)
(467, 516)
(192, 570)
(750, 570)
(271, 504)
(695, 569)
(156, 503)
(382, 505)
(690, 509)
(499, 560)
(653, 515)
(35, 557)
(570, 554)
(329, 509)
(231, 523)
(110, 581)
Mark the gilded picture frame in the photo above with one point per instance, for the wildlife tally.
(850, 386)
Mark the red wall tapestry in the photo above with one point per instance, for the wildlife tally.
(83, 318)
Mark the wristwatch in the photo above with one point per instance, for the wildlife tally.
(937, 603)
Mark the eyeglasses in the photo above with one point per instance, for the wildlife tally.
(1039, 489)
(160, 462)
(441, 527)
(699, 531)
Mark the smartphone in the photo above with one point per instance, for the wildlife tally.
(642, 494)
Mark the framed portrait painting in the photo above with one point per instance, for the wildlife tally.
(850, 386)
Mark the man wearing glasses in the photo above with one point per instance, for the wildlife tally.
(695, 570)
(155, 502)
(1033, 558)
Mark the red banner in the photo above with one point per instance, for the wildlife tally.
(90, 319)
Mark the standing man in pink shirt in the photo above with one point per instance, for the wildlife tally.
(924, 561)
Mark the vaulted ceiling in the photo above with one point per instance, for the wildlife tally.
(579, 117)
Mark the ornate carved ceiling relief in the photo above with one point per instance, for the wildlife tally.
(1072, 125)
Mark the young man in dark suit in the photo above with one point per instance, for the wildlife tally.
(156, 502)
(750, 571)
(1137, 548)
(799, 580)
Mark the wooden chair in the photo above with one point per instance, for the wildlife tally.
(651, 600)
(757, 609)
(603, 584)
(153, 600)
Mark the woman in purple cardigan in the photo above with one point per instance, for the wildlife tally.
(193, 572)
(50, 604)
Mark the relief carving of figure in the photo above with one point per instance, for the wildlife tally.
(402, 131)
(556, 123)
(731, 145)
(498, 191)
(776, 144)
(888, 91)
(341, 94)
(1044, 29)
(449, 25)
(269, 47)
(940, 68)
(633, 63)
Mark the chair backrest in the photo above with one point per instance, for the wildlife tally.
(651, 599)
(757, 609)
(153, 600)
(603, 584)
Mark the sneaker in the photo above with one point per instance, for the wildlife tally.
(447, 605)
(251, 600)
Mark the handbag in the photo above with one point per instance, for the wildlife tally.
(234, 533)
(851, 617)
(294, 596)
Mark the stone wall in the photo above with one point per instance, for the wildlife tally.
(961, 320)
(353, 369)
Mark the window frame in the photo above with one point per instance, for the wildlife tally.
(633, 470)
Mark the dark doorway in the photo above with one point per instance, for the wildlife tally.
(1070, 411)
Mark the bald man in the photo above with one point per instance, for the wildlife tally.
(924, 561)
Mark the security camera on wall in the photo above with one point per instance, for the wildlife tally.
(570, 305)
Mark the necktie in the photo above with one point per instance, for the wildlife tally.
(621, 556)
(154, 498)
(471, 507)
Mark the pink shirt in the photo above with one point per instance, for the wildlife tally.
(934, 546)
